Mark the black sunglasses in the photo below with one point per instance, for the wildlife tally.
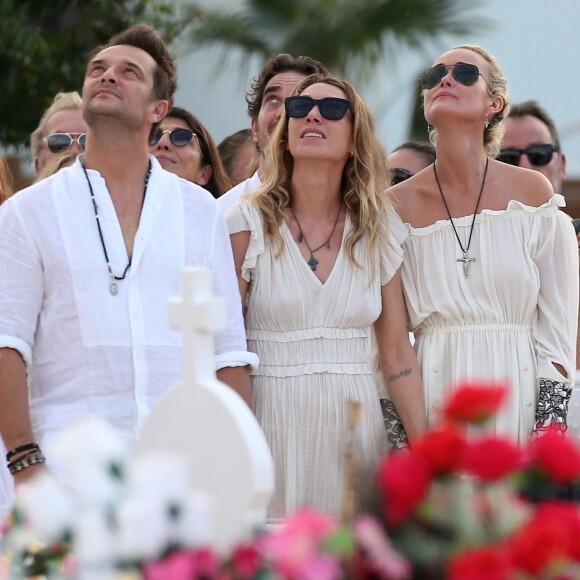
(538, 155)
(398, 174)
(58, 142)
(177, 137)
(331, 108)
(464, 73)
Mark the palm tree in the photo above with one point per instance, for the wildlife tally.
(345, 35)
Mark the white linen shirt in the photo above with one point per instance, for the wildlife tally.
(232, 196)
(87, 351)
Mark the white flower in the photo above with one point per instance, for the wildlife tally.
(48, 507)
(94, 543)
(87, 452)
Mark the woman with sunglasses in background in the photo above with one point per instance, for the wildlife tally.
(409, 158)
(490, 272)
(183, 146)
(317, 268)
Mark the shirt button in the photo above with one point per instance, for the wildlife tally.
(525, 368)
(529, 403)
(435, 369)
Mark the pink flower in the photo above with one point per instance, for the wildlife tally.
(379, 551)
(246, 561)
(184, 565)
(296, 548)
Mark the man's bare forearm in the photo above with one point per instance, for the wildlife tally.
(238, 378)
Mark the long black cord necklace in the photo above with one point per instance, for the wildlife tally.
(113, 287)
(466, 259)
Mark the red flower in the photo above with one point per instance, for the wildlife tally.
(567, 515)
(555, 456)
(442, 449)
(246, 561)
(491, 459)
(404, 478)
(539, 544)
(474, 402)
(485, 563)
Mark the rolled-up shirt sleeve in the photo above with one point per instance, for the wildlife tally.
(230, 344)
(21, 282)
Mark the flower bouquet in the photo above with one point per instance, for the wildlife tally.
(453, 506)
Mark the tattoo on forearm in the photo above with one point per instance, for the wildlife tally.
(403, 373)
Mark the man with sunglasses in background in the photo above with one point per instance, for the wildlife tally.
(279, 75)
(531, 141)
(61, 129)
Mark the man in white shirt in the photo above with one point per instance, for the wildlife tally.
(279, 76)
(88, 260)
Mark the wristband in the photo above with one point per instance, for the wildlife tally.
(27, 461)
(17, 450)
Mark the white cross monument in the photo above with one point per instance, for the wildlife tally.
(209, 424)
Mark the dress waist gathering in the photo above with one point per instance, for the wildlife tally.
(311, 351)
(444, 327)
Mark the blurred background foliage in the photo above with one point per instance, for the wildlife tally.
(44, 45)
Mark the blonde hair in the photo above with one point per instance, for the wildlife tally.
(56, 164)
(5, 182)
(61, 102)
(364, 178)
(496, 86)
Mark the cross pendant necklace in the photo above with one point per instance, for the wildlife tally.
(313, 262)
(113, 286)
(466, 260)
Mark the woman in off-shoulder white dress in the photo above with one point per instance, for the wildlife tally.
(318, 266)
(490, 272)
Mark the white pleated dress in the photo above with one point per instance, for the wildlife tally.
(313, 343)
(513, 316)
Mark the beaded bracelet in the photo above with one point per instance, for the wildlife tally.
(25, 462)
(17, 450)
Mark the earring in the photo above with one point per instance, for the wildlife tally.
(486, 124)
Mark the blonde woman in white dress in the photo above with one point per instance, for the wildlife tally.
(490, 272)
(318, 266)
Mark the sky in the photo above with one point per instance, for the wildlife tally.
(533, 40)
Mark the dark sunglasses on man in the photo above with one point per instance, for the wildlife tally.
(398, 175)
(463, 72)
(178, 137)
(538, 155)
(331, 108)
(58, 142)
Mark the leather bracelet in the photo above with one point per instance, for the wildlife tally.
(27, 461)
(17, 450)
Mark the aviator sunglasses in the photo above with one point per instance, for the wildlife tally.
(58, 142)
(464, 73)
(178, 137)
(538, 155)
(331, 108)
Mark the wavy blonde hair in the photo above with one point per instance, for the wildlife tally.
(496, 86)
(364, 178)
(5, 181)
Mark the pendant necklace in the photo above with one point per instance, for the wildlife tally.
(113, 286)
(313, 262)
(466, 260)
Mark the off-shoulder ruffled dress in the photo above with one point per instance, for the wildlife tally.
(313, 343)
(510, 320)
